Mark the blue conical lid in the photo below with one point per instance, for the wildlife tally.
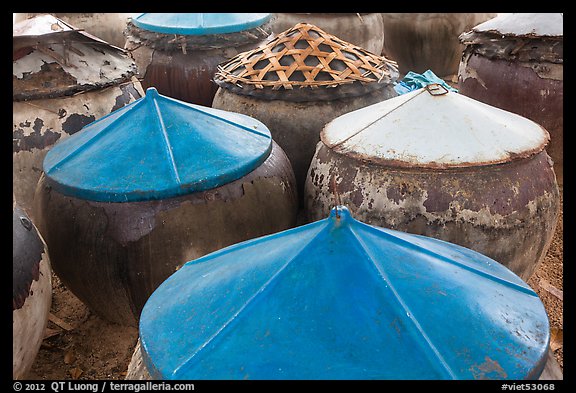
(340, 299)
(199, 23)
(157, 147)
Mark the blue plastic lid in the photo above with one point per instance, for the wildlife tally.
(340, 299)
(157, 147)
(200, 23)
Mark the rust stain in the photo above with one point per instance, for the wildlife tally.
(440, 191)
(489, 366)
(21, 52)
(50, 82)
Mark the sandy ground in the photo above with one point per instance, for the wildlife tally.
(80, 345)
(547, 281)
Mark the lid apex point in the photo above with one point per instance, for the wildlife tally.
(152, 93)
(341, 213)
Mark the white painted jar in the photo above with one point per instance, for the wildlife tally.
(62, 81)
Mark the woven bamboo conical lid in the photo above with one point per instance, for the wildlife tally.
(310, 59)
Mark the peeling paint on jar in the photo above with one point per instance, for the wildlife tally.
(66, 80)
(126, 201)
(515, 62)
(107, 26)
(486, 183)
(32, 292)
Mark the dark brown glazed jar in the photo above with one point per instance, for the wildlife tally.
(129, 199)
(427, 41)
(515, 62)
(445, 166)
(178, 54)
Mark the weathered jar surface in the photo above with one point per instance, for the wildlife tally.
(446, 166)
(31, 292)
(129, 199)
(515, 62)
(107, 26)
(62, 80)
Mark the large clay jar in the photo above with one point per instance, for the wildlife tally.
(107, 26)
(62, 80)
(300, 81)
(133, 196)
(178, 54)
(440, 164)
(365, 30)
(427, 41)
(515, 62)
(32, 292)
(340, 299)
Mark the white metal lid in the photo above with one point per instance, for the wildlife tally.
(525, 24)
(419, 129)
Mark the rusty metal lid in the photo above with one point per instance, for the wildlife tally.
(154, 148)
(52, 59)
(305, 63)
(340, 299)
(434, 128)
(525, 24)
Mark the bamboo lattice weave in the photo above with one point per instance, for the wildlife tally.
(305, 56)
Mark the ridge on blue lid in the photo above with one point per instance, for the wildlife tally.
(200, 23)
(340, 299)
(157, 147)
